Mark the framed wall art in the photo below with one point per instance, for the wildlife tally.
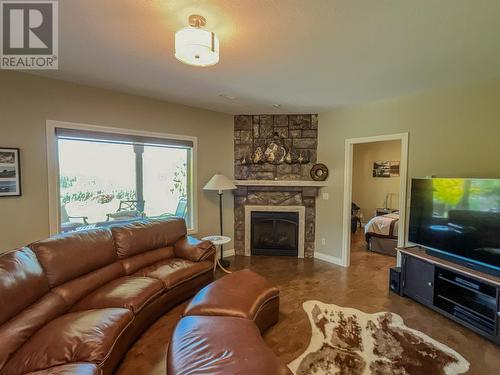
(386, 169)
(10, 172)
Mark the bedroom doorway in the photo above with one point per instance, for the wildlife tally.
(375, 183)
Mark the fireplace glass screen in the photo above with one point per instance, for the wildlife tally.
(274, 233)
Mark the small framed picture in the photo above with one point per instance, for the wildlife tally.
(10, 172)
(386, 169)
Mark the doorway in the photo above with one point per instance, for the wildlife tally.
(383, 197)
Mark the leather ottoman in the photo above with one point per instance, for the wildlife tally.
(241, 294)
(219, 345)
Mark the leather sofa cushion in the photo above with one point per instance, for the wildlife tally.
(129, 292)
(67, 256)
(70, 369)
(22, 282)
(74, 290)
(17, 330)
(176, 228)
(220, 345)
(138, 237)
(136, 262)
(240, 294)
(85, 336)
(175, 271)
(193, 249)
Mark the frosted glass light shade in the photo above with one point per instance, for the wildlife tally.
(197, 47)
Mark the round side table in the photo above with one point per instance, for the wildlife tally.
(218, 241)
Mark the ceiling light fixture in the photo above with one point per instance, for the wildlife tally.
(195, 46)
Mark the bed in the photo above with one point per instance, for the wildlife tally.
(381, 234)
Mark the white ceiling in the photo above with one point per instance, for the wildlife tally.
(307, 55)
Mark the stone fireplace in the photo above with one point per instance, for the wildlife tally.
(274, 230)
(275, 196)
(274, 233)
(273, 158)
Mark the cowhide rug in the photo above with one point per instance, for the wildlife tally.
(350, 342)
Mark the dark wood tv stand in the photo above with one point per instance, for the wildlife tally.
(469, 297)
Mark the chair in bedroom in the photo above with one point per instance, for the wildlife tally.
(355, 217)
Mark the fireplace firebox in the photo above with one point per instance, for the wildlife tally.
(274, 233)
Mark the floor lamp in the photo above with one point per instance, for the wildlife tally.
(219, 182)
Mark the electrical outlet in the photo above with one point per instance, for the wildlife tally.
(323, 241)
(326, 196)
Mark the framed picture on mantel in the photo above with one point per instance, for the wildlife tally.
(10, 172)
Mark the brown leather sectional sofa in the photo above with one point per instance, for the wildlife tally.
(74, 303)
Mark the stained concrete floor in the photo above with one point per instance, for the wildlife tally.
(364, 286)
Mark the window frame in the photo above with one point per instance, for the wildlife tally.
(53, 166)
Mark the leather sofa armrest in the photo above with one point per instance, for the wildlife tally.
(194, 250)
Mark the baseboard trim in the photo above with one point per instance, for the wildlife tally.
(328, 258)
(321, 256)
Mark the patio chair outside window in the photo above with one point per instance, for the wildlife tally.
(182, 207)
(67, 225)
(127, 210)
(180, 211)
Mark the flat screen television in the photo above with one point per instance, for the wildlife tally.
(458, 219)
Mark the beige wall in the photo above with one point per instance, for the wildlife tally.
(27, 101)
(453, 132)
(369, 192)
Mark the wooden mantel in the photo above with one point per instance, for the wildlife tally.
(278, 183)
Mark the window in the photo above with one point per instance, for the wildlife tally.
(105, 178)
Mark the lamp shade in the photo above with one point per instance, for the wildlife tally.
(219, 182)
(197, 47)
